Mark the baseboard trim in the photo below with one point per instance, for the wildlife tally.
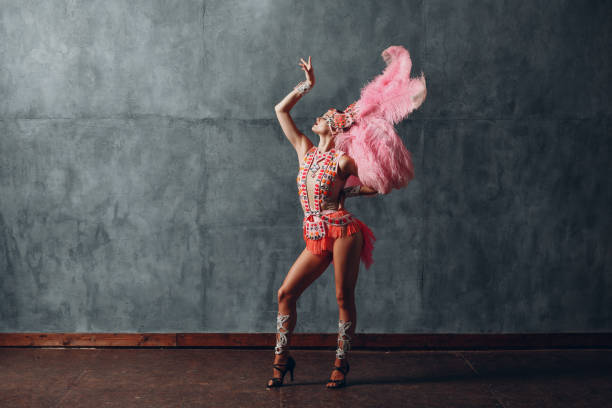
(437, 341)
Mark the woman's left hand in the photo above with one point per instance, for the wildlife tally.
(369, 191)
(307, 67)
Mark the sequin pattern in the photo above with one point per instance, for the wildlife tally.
(325, 176)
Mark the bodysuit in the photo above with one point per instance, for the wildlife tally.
(319, 189)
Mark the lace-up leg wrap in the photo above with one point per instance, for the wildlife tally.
(281, 339)
(344, 338)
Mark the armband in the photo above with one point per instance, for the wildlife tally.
(303, 87)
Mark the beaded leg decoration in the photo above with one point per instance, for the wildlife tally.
(281, 346)
(341, 354)
(281, 341)
(344, 338)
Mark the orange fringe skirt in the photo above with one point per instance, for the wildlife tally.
(335, 231)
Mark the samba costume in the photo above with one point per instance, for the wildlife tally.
(319, 190)
(365, 132)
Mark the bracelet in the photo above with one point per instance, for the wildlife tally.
(351, 191)
(303, 87)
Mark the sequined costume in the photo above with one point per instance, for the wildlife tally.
(319, 189)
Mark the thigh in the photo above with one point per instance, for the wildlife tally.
(347, 252)
(305, 270)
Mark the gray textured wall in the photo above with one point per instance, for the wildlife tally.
(145, 184)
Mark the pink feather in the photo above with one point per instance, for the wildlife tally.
(383, 162)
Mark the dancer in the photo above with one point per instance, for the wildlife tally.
(358, 154)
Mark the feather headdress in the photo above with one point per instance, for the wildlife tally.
(366, 127)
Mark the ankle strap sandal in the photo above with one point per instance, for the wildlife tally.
(342, 382)
(283, 368)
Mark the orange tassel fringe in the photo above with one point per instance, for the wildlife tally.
(334, 231)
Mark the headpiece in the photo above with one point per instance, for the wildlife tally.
(340, 120)
(366, 126)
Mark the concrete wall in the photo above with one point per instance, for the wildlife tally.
(145, 184)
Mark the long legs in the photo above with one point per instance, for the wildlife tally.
(306, 269)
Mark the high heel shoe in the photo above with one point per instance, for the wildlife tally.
(278, 382)
(340, 383)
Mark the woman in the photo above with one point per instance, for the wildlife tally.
(333, 168)
(328, 175)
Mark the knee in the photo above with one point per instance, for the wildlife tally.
(285, 295)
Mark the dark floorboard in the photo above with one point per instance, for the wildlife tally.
(52, 377)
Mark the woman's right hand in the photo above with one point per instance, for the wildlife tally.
(307, 68)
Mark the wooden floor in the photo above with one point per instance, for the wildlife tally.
(74, 377)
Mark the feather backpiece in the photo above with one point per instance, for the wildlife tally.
(382, 160)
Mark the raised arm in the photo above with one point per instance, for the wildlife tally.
(299, 141)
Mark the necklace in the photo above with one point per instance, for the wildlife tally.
(315, 165)
(319, 190)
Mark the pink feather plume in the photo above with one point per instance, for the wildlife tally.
(383, 162)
